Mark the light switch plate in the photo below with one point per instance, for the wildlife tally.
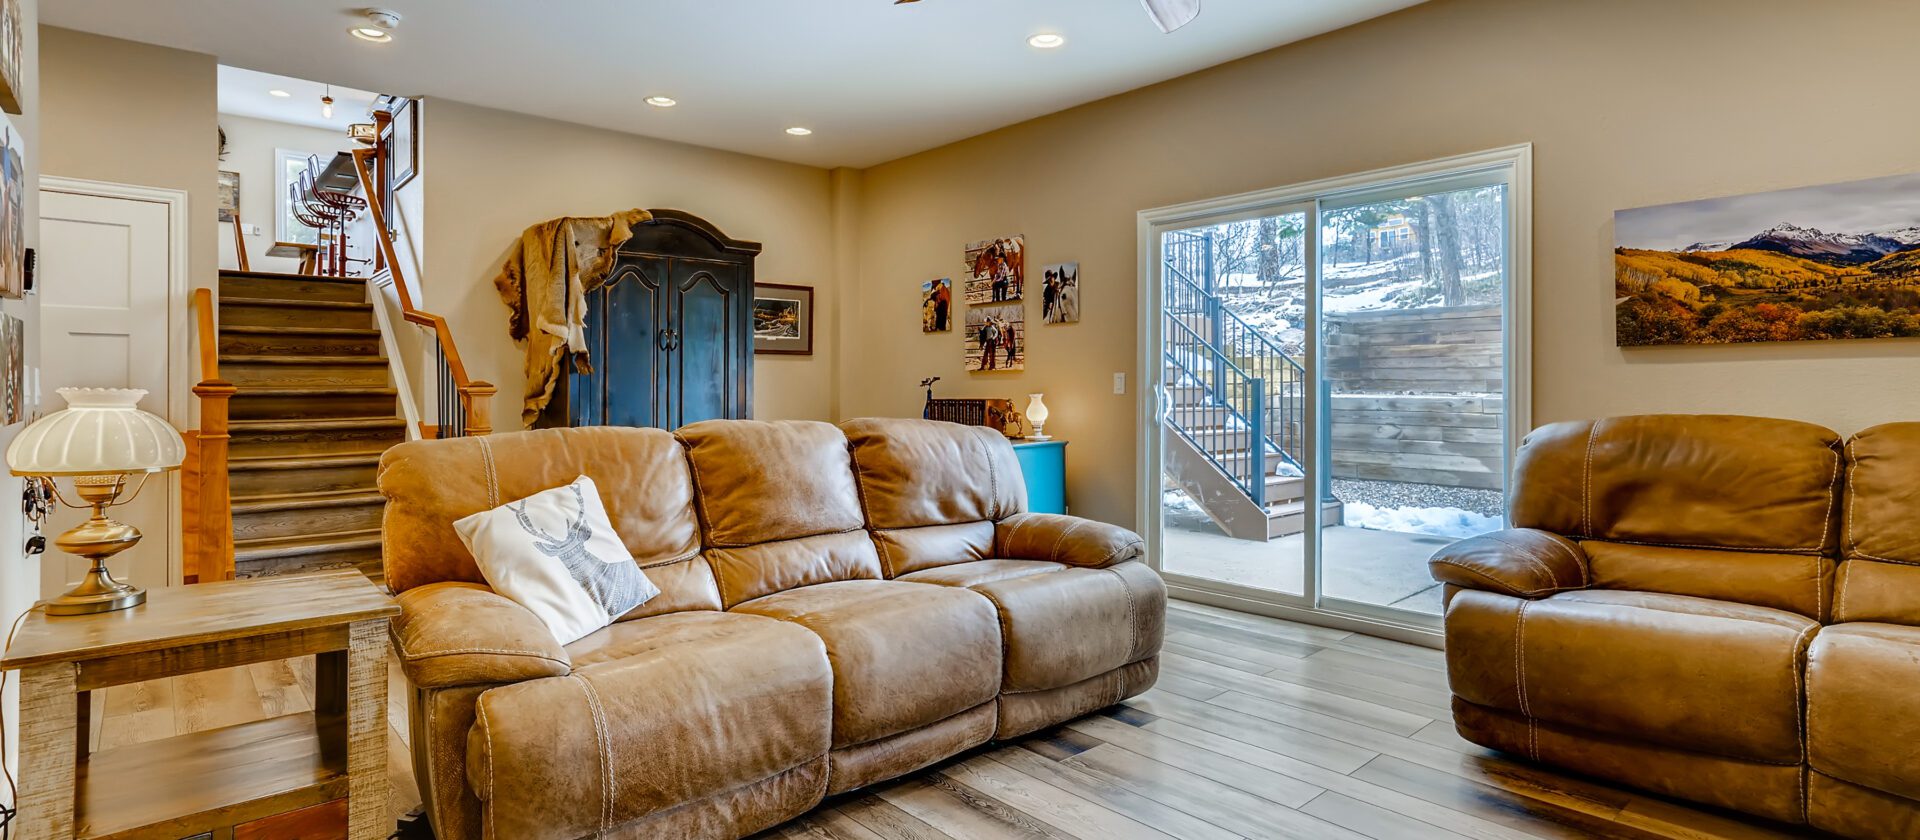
(1119, 383)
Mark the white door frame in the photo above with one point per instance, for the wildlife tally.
(1518, 358)
(180, 379)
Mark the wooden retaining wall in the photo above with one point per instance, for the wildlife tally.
(1418, 396)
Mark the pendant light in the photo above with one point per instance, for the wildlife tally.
(326, 103)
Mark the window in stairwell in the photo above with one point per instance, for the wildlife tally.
(287, 227)
(1341, 378)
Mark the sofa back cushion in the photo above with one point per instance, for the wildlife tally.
(778, 507)
(1685, 481)
(1880, 575)
(931, 491)
(1798, 583)
(641, 475)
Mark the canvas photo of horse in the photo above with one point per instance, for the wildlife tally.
(996, 338)
(996, 270)
(936, 305)
(1060, 294)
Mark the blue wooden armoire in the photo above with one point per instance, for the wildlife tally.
(670, 332)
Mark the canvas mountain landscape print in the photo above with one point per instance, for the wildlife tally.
(1826, 262)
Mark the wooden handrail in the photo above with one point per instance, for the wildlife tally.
(474, 394)
(206, 500)
(240, 242)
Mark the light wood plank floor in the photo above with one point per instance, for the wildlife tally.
(1258, 729)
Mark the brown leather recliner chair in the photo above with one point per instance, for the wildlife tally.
(837, 608)
(1722, 609)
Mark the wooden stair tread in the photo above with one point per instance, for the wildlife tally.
(295, 303)
(306, 501)
(244, 550)
(302, 278)
(317, 425)
(254, 329)
(295, 462)
(318, 390)
(241, 359)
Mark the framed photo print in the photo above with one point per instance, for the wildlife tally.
(782, 319)
(405, 149)
(229, 194)
(13, 213)
(12, 44)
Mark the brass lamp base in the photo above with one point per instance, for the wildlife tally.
(97, 539)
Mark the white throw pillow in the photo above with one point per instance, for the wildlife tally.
(555, 553)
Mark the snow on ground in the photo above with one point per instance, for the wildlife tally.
(1438, 521)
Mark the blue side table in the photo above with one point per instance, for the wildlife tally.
(1044, 463)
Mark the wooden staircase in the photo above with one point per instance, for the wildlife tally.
(1213, 440)
(311, 411)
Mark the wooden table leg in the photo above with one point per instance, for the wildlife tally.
(49, 718)
(367, 817)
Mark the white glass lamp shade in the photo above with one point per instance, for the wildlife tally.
(102, 431)
(1037, 415)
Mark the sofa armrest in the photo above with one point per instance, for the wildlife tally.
(1522, 562)
(451, 634)
(1065, 539)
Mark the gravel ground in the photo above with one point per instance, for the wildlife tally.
(1396, 494)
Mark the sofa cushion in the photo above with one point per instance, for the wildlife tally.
(649, 721)
(1883, 491)
(904, 654)
(751, 571)
(641, 474)
(907, 550)
(1065, 624)
(1714, 677)
(922, 472)
(761, 481)
(1698, 481)
(1863, 725)
(1800, 583)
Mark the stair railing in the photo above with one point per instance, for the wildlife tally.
(1202, 367)
(1260, 387)
(239, 243)
(206, 501)
(464, 408)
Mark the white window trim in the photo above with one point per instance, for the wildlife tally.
(1329, 193)
(281, 221)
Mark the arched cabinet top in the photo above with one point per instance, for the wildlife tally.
(677, 231)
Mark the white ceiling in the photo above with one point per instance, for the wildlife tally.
(875, 81)
(248, 94)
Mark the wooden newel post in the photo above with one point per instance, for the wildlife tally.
(477, 399)
(203, 480)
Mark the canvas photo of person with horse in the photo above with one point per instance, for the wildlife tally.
(996, 338)
(936, 305)
(1060, 294)
(996, 270)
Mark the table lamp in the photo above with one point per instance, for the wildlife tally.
(1037, 415)
(99, 440)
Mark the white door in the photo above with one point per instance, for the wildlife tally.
(106, 286)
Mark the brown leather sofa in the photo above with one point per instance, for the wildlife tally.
(839, 606)
(1722, 609)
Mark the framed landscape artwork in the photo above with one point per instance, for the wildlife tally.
(12, 44)
(936, 305)
(13, 214)
(1813, 263)
(1060, 294)
(782, 319)
(996, 270)
(996, 338)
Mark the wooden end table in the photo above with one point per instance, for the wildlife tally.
(270, 778)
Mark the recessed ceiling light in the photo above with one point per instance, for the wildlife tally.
(278, 92)
(370, 33)
(797, 131)
(662, 101)
(1047, 41)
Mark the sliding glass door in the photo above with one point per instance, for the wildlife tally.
(1335, 368)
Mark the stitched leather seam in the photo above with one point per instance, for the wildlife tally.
(1006, 632)
(1551, 578)
(493, 486)
(1840, 596)
(486, 754)
(1833, 486)
(1061, 540)
(606, 752)
(1705, 615)
(1575, 554)
(1013, 534)
(1115, 554)
(1819, 591)
(860, 487)
(1133, 626)
(416, 657)
(886, 557)
(1520, 678)
(1852, 551)
(1804, 719)
(1760, 550)
(993, 481)
(687, 558)
(1586, 483)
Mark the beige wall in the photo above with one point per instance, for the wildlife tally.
(491, 174)
(252, 151)
(1628, 103)
(138, 114)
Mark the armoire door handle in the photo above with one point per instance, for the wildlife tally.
(669, 339)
